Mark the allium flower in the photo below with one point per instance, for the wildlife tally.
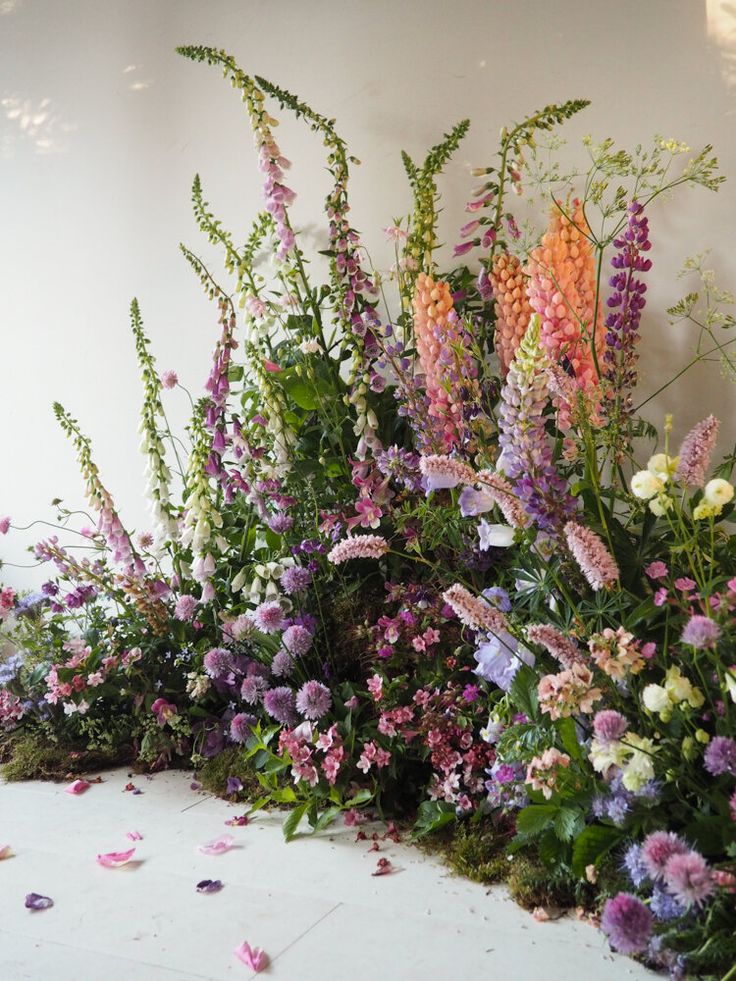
(609, 726)
(241, 727)
(282, 664)
(280, 704)
(627, 923)
(596, 563)
(695, 452)
(700, 632)
(281, 523)
(296, 639)
(169, 379)
(269, 617)
(658, 848)
(720, 756)
(313, 700)
(218, 663)
(512, 306)
(555, 643)
(295, 579)
(253, 689)
(441, 472)
(358, 547)
(689, 878)
(473, 611)
(185, 607)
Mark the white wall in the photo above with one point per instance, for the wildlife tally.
(102, 127)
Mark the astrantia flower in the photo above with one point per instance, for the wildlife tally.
(313, 700)
(269, 617)
(627, 923)
(657, 849)
(295, 579)
(700, 632)
(185, 607)
(280, 704)
(296, 639)
(358, 547)
(720, 756)
(688, 878)
(696, 451)
(282, 664)
(442, 472)
(596, 563)
(241, 727)
(218, 663)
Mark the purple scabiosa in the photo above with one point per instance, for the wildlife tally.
(401, 466)
(626, 303)
(241, 726)
(595, 561)
(627, 923)
(218, 663)
(253, 689)
(313, 700)
(526, 456)
(282, 664)
(555, 643)
(720, 756)
(657, 849)
(609, 726)
(689, 878)
(695, 452)
(185, 607)
(281, 704)
(296, 639)
(269, 617)
(473, 611)
(295, 579)
(633, 865)
(358, 547)
(700, 632)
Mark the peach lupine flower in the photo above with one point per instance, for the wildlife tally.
(513, 310)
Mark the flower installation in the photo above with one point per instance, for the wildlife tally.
(418, 551)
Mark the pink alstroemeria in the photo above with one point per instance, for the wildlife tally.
(114, 860)
(218, 846)
(78, 787)
(253, 957)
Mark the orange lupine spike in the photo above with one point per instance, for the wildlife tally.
(513, 309)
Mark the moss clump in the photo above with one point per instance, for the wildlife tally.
(29, 756)
(230, 763)
(532, 884)
(477, 852)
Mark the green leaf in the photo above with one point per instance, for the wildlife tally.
(523, 691)
(591, 845)
(362, 797)
(291, 823)
(326, 818)
(569, 738)
(432, 815)
(532, 820)
(566, 823)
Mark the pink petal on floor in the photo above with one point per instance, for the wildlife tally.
(78, 787)
(540, 914)
(5, 852)
(238, 822)
(383, 867)
(113, 860)
(218, 846)
(253, 957)
(134, 836)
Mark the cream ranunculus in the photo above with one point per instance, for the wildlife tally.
(663, 466)
(660, 505)
(655, 698)
(718, 492)
(645, 485)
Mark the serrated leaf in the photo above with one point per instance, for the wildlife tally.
(591, 845)
(532, 820)
(566, 823)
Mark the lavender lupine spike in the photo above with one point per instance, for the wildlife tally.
(695, 452)
(99, 498)
(526, 456)
(595, 561)
(157, 472)
(626, 304)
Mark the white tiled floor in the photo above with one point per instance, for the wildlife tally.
(312, 905)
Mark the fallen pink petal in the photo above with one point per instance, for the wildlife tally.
(114, 860)
(134, 836)
(540, 914)
(35, 901)
(218, 846)
(209, 885)
(384, 867)
(253, 957)
(78, 787)
(5, 852)
(238, 822)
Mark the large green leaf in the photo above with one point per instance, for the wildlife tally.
(591, 845)
(291, 823)
(532, 820)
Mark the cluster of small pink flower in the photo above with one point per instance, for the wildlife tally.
(302, 748)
